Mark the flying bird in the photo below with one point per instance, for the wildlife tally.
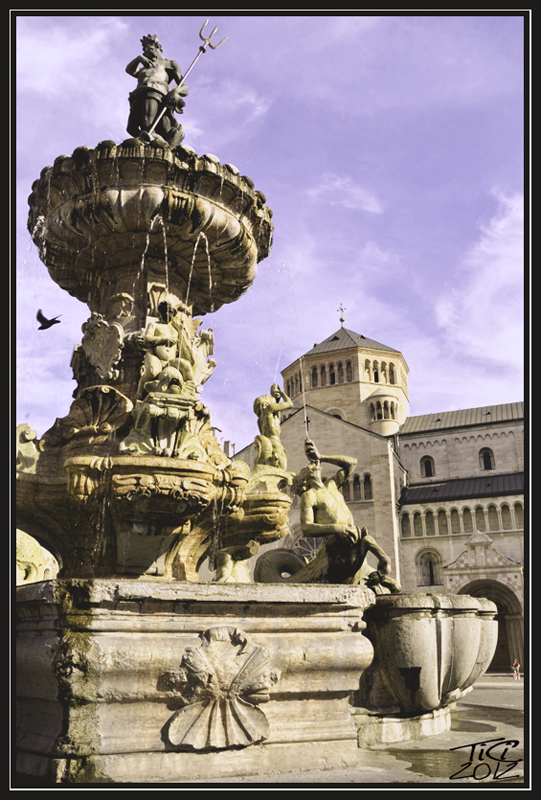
(46, 323)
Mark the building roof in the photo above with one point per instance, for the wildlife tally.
(464, 488)
(484, 415)
(343, 339)
(308, 408)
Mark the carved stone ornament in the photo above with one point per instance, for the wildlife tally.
(221, 683)
(102, 343)
(96, 413)
(27, 448)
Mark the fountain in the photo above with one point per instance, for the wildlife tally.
(130, 668)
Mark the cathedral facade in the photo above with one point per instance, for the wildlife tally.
(442, 493)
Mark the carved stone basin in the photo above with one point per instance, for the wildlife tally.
(429, 650)
(197, 224)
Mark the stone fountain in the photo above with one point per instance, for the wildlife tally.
(130, 668)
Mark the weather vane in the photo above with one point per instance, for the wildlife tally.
(341, 310)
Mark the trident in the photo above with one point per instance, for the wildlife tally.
(202, 49)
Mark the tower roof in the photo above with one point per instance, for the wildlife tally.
(344, 338)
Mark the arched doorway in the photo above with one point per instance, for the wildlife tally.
(510, 619)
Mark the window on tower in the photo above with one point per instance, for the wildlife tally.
(486, 459)
(332, 375)
(428, 469)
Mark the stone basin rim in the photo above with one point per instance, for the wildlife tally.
(143, 590)
(180, 157)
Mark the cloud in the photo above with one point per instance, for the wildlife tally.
(247, 98)
(48, 52)
(240, 108)
(483, 314)
(339, 191)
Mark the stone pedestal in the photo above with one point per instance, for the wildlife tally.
(141, 681)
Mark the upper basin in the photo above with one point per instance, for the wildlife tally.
(103, 213)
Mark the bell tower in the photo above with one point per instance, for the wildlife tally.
(354, 378)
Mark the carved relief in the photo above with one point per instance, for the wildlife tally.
(94, 415)
(102, 343)
(192, 493)
(86, 475)
(221, 684)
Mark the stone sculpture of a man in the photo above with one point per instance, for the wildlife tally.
(154, 73)
(325, 513)
(268, 408)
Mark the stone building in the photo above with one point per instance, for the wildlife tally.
(442, 493)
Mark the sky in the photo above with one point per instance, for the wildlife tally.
(391, 150)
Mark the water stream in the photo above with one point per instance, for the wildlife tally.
(200, 236)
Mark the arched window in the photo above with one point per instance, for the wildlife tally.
(340, 373)
(332, 375)
(375, 372)
(417, 524)
(507, 523)
(480, 523)
(323, 376)
(428, 469)
(429, 568)
(519, 515)
(455, 521)
(486, 459)
(442, 523)
(429, 524)
(392, 378)
(467, 520)
(349, 372)
(493, 521)
(405, 525)
(345, 491)
(367, 486)
(356, 487)
(314, 377)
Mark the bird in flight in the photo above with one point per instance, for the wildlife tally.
(46, 323)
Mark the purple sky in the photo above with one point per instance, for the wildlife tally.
(390, 150)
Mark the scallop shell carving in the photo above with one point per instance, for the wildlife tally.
(98, 410)
(223, 681)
